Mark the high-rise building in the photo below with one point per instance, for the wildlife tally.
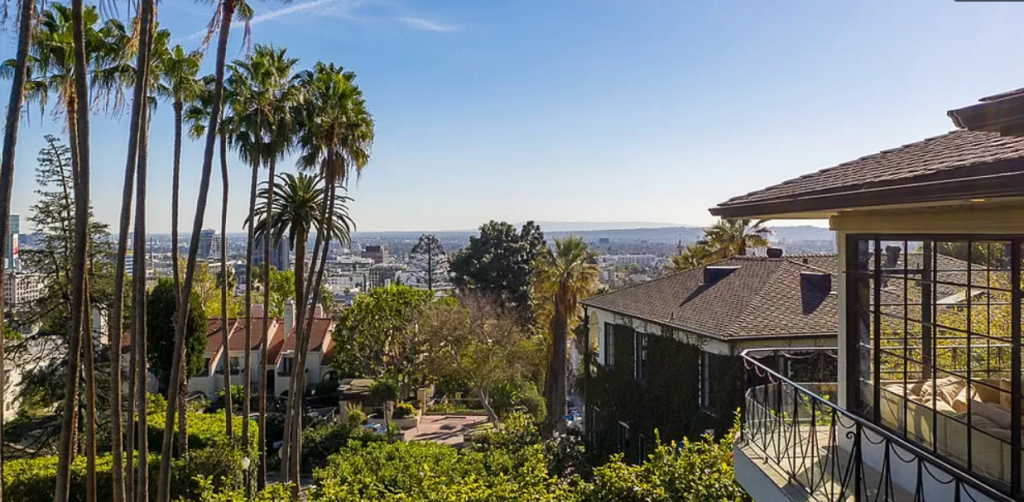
(376, 252)
(209, 243)
(280, 256)
(11, 261)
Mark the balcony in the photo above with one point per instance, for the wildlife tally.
(798, 444)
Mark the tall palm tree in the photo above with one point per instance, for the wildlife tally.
(335, 137)
(261, 95)
(297, 210)
(177, 72)
(19, 70)
(222, 23)
(734, 237)
(563, 277)
(695, 255)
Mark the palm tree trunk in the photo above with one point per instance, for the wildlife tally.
(314, 285)
(66, 448)
(556, 369)
(139, 284)
(228, 9)
(247, 401)
(90, 403)
(294, 413)
(175, 195)
(261, 478)
(117, 316)
(7, 165)
(228, 409)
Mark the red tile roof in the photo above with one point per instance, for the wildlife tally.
(947, 155)
(319, 338)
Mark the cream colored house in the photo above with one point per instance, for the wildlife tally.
(929, 366)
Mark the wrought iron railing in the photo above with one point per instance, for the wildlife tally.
(800, 431)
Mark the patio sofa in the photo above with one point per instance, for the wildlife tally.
(947, 430)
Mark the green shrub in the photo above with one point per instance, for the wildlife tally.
(205, 430)
(33, 480)
(382, 390)
(237, 396)
(321, 441)
(430, 472)
(404, 410)
(518, 395)
(356, 417)
(209, 492)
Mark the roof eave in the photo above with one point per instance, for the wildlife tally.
(814, 206)
(1004, 116)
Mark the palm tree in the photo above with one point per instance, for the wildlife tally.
(177, 72)
(222, 23)
(563, 278)
(335, 136)
(19, 69)
(695, 255)
(297, 210)
(261, 95)
(734, 237)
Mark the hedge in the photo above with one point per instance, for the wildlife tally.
(205, 430)
(33, 480)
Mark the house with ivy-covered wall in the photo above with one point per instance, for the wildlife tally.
(664, 355)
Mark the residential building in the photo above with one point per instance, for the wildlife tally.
(280, 255)
(667, 351)
(926, 399)
(376, 252)
(22, 288)
(281, 350)
(643, 260)
(12, 262)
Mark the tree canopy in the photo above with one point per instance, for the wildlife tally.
(499, 262)
(161, 311)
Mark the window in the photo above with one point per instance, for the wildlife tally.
(640, 356)
(935, 331)
(206, 368)
(286, 366)
(708, 373)
(641, 443)
(609, 345)
(623, 437)
(236, 365)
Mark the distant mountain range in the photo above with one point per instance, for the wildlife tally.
(614, 232)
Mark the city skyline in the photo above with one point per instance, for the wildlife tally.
(509, 112)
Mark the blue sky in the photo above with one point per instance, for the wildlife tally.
(591, 110)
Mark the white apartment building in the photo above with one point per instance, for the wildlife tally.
(20, 289)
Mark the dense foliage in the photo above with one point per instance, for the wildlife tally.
(513, 463)
(321, 441)
(499, 263)
(376, 337)
(161, 312)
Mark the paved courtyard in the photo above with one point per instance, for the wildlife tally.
(444, 429)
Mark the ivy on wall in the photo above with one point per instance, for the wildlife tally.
(666, 400)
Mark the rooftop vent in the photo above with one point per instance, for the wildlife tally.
(775, 252)
(715, 274)
(818, 280)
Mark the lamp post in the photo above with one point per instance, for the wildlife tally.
(245, 468)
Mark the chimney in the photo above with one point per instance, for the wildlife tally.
(257, 310)
(318, 311)
(715, 274)
(892, 257)
(289, 316)
(818, 280)
(775, 252)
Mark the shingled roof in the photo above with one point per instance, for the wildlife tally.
(936, 168)
(760, 298)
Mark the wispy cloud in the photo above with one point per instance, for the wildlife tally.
(331, 5)
(427, 25)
